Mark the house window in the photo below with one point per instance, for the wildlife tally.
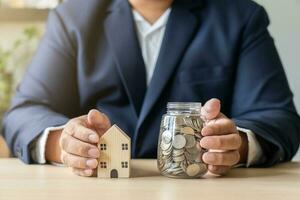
(124, 146)
(124, 164)
(103, 165)
(103, 147)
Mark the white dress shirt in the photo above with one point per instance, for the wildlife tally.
(150, 38)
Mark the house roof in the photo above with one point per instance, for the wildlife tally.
(118, 129)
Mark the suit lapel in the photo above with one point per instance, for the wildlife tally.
(180, 30)
(122, 38)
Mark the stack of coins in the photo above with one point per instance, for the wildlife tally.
(179, 153)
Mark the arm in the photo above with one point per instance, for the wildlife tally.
(43, 98)
(262, 103)
(262, 100)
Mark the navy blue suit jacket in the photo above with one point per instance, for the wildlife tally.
(90, 58)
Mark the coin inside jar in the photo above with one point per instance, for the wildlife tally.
(190, 141)
(179, 150)
(179, 141)
(165, 146)
(193, 170)
(203, 168)
(167, 136)
(187, 130)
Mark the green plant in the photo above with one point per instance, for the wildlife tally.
(11, 60)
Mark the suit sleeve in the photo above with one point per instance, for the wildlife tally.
(47, 96)
(262, 100)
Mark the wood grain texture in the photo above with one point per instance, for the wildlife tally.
(20, 181)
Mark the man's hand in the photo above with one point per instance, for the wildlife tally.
(227, 147)
(78, 142)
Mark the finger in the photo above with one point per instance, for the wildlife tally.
(82, 133)
(76, 147)
(77, 161)
(98, 121)
(219, 126)
(84, 172)
(222, 142)
(211, 109)
(228, 158)
(218, 170)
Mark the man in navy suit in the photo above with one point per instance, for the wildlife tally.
(127, 59)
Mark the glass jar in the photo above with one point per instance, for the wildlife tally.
(179, 151)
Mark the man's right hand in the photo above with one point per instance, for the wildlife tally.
(78, 141)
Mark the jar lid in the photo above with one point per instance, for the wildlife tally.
(184, 105)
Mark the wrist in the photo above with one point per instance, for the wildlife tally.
(243, 150)
(53, 150)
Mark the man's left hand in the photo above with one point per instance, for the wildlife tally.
(226, 146)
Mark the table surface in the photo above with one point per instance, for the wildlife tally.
(20, 181)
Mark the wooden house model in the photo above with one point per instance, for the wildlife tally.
(115, 153)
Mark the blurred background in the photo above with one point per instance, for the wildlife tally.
(22, 25)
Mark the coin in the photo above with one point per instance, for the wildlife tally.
(178, 152)
(179, 158)
(192, 150)
(165, 146)
(196, 123)
(179, 141)
(199, 124)
(167, 136)
(175, 170)
(190, 141)
(203, 168)
(187, 130)
(193, 170)
(192, 157)
(179, 121)
(183, 165)
(167, 151)
(176, 164)
(178, 172)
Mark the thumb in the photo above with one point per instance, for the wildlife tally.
(98, 121)
(211, 109)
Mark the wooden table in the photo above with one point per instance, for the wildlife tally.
(20, 181)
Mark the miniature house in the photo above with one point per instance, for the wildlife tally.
(115, 149)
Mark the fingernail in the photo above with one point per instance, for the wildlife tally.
(88, 172)
(94, 138)
(207, 131)
(94, 153)
(208, 158)
(209, 108)
(200, 145)
(92, 163)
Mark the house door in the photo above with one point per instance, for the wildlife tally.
(114, 173)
